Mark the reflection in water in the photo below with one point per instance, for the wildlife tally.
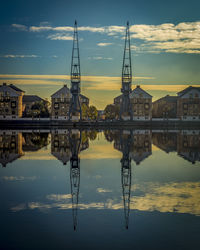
(10, 146)
(75, 143)
(125, 143)
(66, 145)
(135, 145)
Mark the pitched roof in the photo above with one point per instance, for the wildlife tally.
(32, 98)
(182, 92)
(138, 91)
(84, 97)
(6, 88)
(168, 98)
(16, 88)
(63, 90)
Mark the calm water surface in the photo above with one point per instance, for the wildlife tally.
(114, 189)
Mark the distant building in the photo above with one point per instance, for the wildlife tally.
(60, 103)
(165, 107)
(141, 103)
(29, 101)
(188, 104)
(101, 115)
(10, 101)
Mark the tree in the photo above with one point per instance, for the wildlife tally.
(40, 109)
(111, 111)
(93, 113)
(85, 111)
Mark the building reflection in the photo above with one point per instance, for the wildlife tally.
(10, 146)
(14, 144)
(66, 146)
(166, 141)
(140, 143)
(188, 145)
(34, 141)
(185, 142)
(135, 145)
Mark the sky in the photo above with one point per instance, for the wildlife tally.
(36, 45)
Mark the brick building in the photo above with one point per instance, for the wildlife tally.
(60, 103)
(188, 104)
(141, 103)
(10, 101)
(165, 107)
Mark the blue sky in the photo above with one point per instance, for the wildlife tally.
(36, 39)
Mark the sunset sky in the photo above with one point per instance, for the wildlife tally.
(36, 45)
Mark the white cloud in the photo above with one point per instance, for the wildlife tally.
(19, 178)
(59, 36)
(104, 44)
(19, 56)
(19, 27)
(100, 58)
(169, 38)
(102, 190)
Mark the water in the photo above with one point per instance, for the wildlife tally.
(114, 189)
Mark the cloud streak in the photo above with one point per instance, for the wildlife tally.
(19, 56)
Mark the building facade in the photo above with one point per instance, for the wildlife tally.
(165, 107)
(10, 101)
(29, 101)
(141, 104)
(60, 103)
(188, 104)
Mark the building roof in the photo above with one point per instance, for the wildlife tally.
(118, 97)
(83, 97)
(6, 88)
(137, 91)
(167, 98)
(32, 98)
(182, 92)
(16, 88)
(64, 90)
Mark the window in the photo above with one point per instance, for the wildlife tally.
(56, 105)
(134, 100)
(185, 106)
(13, 104)
(62, 98)
(13, 112)
(146, 106)
(190, 95)
(196, 95)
